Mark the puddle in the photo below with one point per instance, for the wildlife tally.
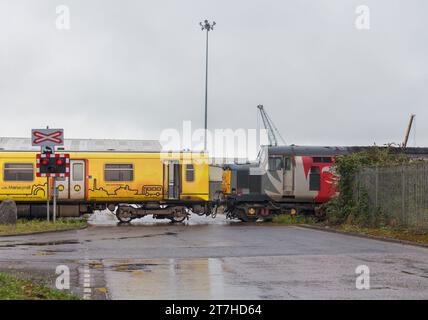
(194, 278)
(48, 243)
(148, 236)
(102, 290)
(61, 250)
(414, 274)
(43, 253)
(96, 265)
(133, 267)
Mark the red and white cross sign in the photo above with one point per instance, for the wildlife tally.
(47, 137)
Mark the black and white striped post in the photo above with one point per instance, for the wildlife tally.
(54, 165)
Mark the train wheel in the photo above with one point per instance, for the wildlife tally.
(124, 214)
(179, 216)
(111, 207)
(177, 219)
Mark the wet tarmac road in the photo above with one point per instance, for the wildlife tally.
(218, 259)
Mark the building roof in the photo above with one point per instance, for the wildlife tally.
(341, 150)
(78, 145)
(308, 150)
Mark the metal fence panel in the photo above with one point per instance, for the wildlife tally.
(398, 194)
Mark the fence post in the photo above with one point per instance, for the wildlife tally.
(376, 187)
(402, 195)
(357, 184)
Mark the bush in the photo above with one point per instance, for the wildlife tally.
(343, 208)
(290, 219)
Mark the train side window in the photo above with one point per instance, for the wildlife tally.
(314, 179)
(275, 163)
(77, 171)
(118, 172)
(190, 172)
(18, 172)
(322, 159)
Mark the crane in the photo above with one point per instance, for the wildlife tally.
(273, 133)
(409, 127)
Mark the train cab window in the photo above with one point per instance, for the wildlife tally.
(322, 159)
(314, 179)
(118, 172)
(190, 172)
(275, 163)
(18, 172)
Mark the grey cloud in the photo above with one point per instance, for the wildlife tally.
(129, 69)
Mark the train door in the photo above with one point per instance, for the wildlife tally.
(314, 179)
(77, 179)
(172, 180)
(276, 172)
(288, 176)
(73, 187)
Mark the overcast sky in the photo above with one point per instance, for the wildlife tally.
(131, 68)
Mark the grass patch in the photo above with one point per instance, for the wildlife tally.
(387, 232)
(296, 219)
(13, 288)
(32, 226)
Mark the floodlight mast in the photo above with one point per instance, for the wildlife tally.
(208, 27)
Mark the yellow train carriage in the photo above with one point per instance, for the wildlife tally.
(18, 180)
(98, 179)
